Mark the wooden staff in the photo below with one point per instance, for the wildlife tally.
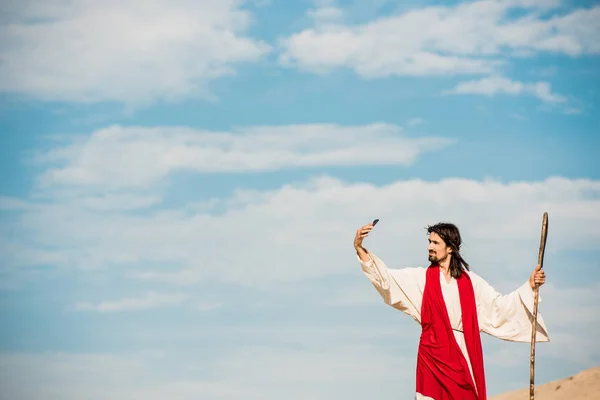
(535, 306)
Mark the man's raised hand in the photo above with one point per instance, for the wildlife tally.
(362, 233)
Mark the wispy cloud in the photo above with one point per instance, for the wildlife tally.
(494, 85)
(149, 300)
(13, 204)
(573, 111)
(193, 245)
(186, 245)
(138, 156)
(467, 38)
(343, 361)
(61, 51)
(250, 372)
(518, 116)
(214, 260)
(325, 12)
(416, 121)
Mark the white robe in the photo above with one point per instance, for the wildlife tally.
(508, 317)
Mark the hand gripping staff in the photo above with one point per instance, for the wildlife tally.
(535, 307)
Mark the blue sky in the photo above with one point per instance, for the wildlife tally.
(181, 182)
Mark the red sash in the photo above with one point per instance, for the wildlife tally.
(442, 370)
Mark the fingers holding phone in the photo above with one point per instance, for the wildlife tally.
(363, 232)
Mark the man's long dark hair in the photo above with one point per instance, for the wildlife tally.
(451, 236)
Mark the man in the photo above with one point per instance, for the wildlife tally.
(453, 305)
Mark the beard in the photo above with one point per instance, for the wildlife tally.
(433, 258)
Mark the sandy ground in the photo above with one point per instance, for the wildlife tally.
(584, 385)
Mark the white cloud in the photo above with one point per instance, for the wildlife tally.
(325, 12)
(136, 156)
(493, 85)
(416, 121)
(574, 306)
(468, 38)
(129, 51)
(295, 362)
(193, 243)
(71, 376)
(572, 111)
(275, 241)
(543, 92)
(9, 203)
(116, 201)
(489, 86)
(250, 373)
(149, 300)
(545, 71)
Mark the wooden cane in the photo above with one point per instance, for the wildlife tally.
(535, 307)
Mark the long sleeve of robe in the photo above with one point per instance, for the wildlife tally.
(508, 317)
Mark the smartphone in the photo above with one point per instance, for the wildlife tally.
(375, 221)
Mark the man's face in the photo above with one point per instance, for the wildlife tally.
(438, 251)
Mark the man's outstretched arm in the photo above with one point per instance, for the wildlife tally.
(509, 317)
(399, 288)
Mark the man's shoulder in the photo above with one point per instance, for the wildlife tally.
(478, 281)
(471, 273)
(474, 276)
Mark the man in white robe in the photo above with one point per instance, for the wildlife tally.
(508, 317)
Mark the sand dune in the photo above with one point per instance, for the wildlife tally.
(583, 385)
